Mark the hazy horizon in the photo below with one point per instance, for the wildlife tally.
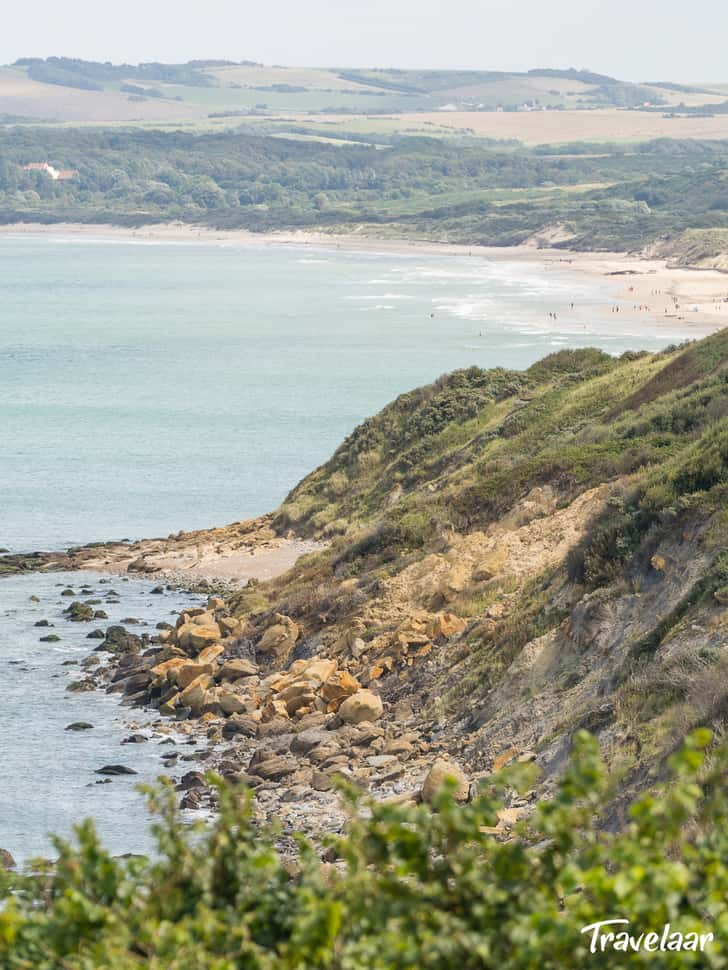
(648, 42)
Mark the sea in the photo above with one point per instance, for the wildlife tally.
(152, 386)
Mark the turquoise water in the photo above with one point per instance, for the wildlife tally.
(146, 388)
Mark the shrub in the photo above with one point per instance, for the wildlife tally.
(413, 888)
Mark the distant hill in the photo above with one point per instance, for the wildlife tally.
(70, 89)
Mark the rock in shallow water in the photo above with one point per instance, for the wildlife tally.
(6, 860)
(115, 770)
(79, 726)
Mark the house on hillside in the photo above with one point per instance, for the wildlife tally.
(57, 174)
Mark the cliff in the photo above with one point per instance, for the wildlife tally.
(515, 555)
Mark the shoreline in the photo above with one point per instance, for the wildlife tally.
(223, 556)
(697, 296)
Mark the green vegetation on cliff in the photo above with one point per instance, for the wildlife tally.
(573, 514)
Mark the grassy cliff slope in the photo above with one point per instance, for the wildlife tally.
(515, 555)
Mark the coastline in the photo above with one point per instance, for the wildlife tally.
(689, 295)
(228, 556)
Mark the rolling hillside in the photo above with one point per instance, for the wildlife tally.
(62, 90)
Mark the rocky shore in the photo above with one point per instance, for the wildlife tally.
(262, 708)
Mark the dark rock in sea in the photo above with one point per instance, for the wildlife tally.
(41, 623)
(116, 770)
(34, 599)
(50, 638)
(191, 779)
(100, 615)
(92, 602)
(81, 686)
(4, 551)
(118, 640)
(111, 592)
(6, 860)
(164, 626)
(79, 613)
(79, 726)
(135, 739)
(158, 590)
(137, 682)
(95, 635)
(70, 663)
(68, 592)
(192, 800)
(131, 621)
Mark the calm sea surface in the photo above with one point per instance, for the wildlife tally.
(146, 388)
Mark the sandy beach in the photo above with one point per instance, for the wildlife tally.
(651, 288)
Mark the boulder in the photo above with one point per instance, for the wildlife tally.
(321, 781)
(272, 768)
(167, 668)
(136, 682)
(239, 725)
(206, 618)
(280, 638)
(199, 637)
(306, 741)
(79, 612)
(6, 860)
(338, 687)
(115, 770)
(441, 771)
(194, 694)
(191, 779)
(232, 703)
(231, 626)
(79, 726)
(320, 670)
(237, 669)
(183, 676)
(275, 709)
(445, 625)
(296, 695)
(362, 706)
(209, 654)
(118, 640)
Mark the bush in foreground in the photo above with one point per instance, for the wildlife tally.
(413, 888)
